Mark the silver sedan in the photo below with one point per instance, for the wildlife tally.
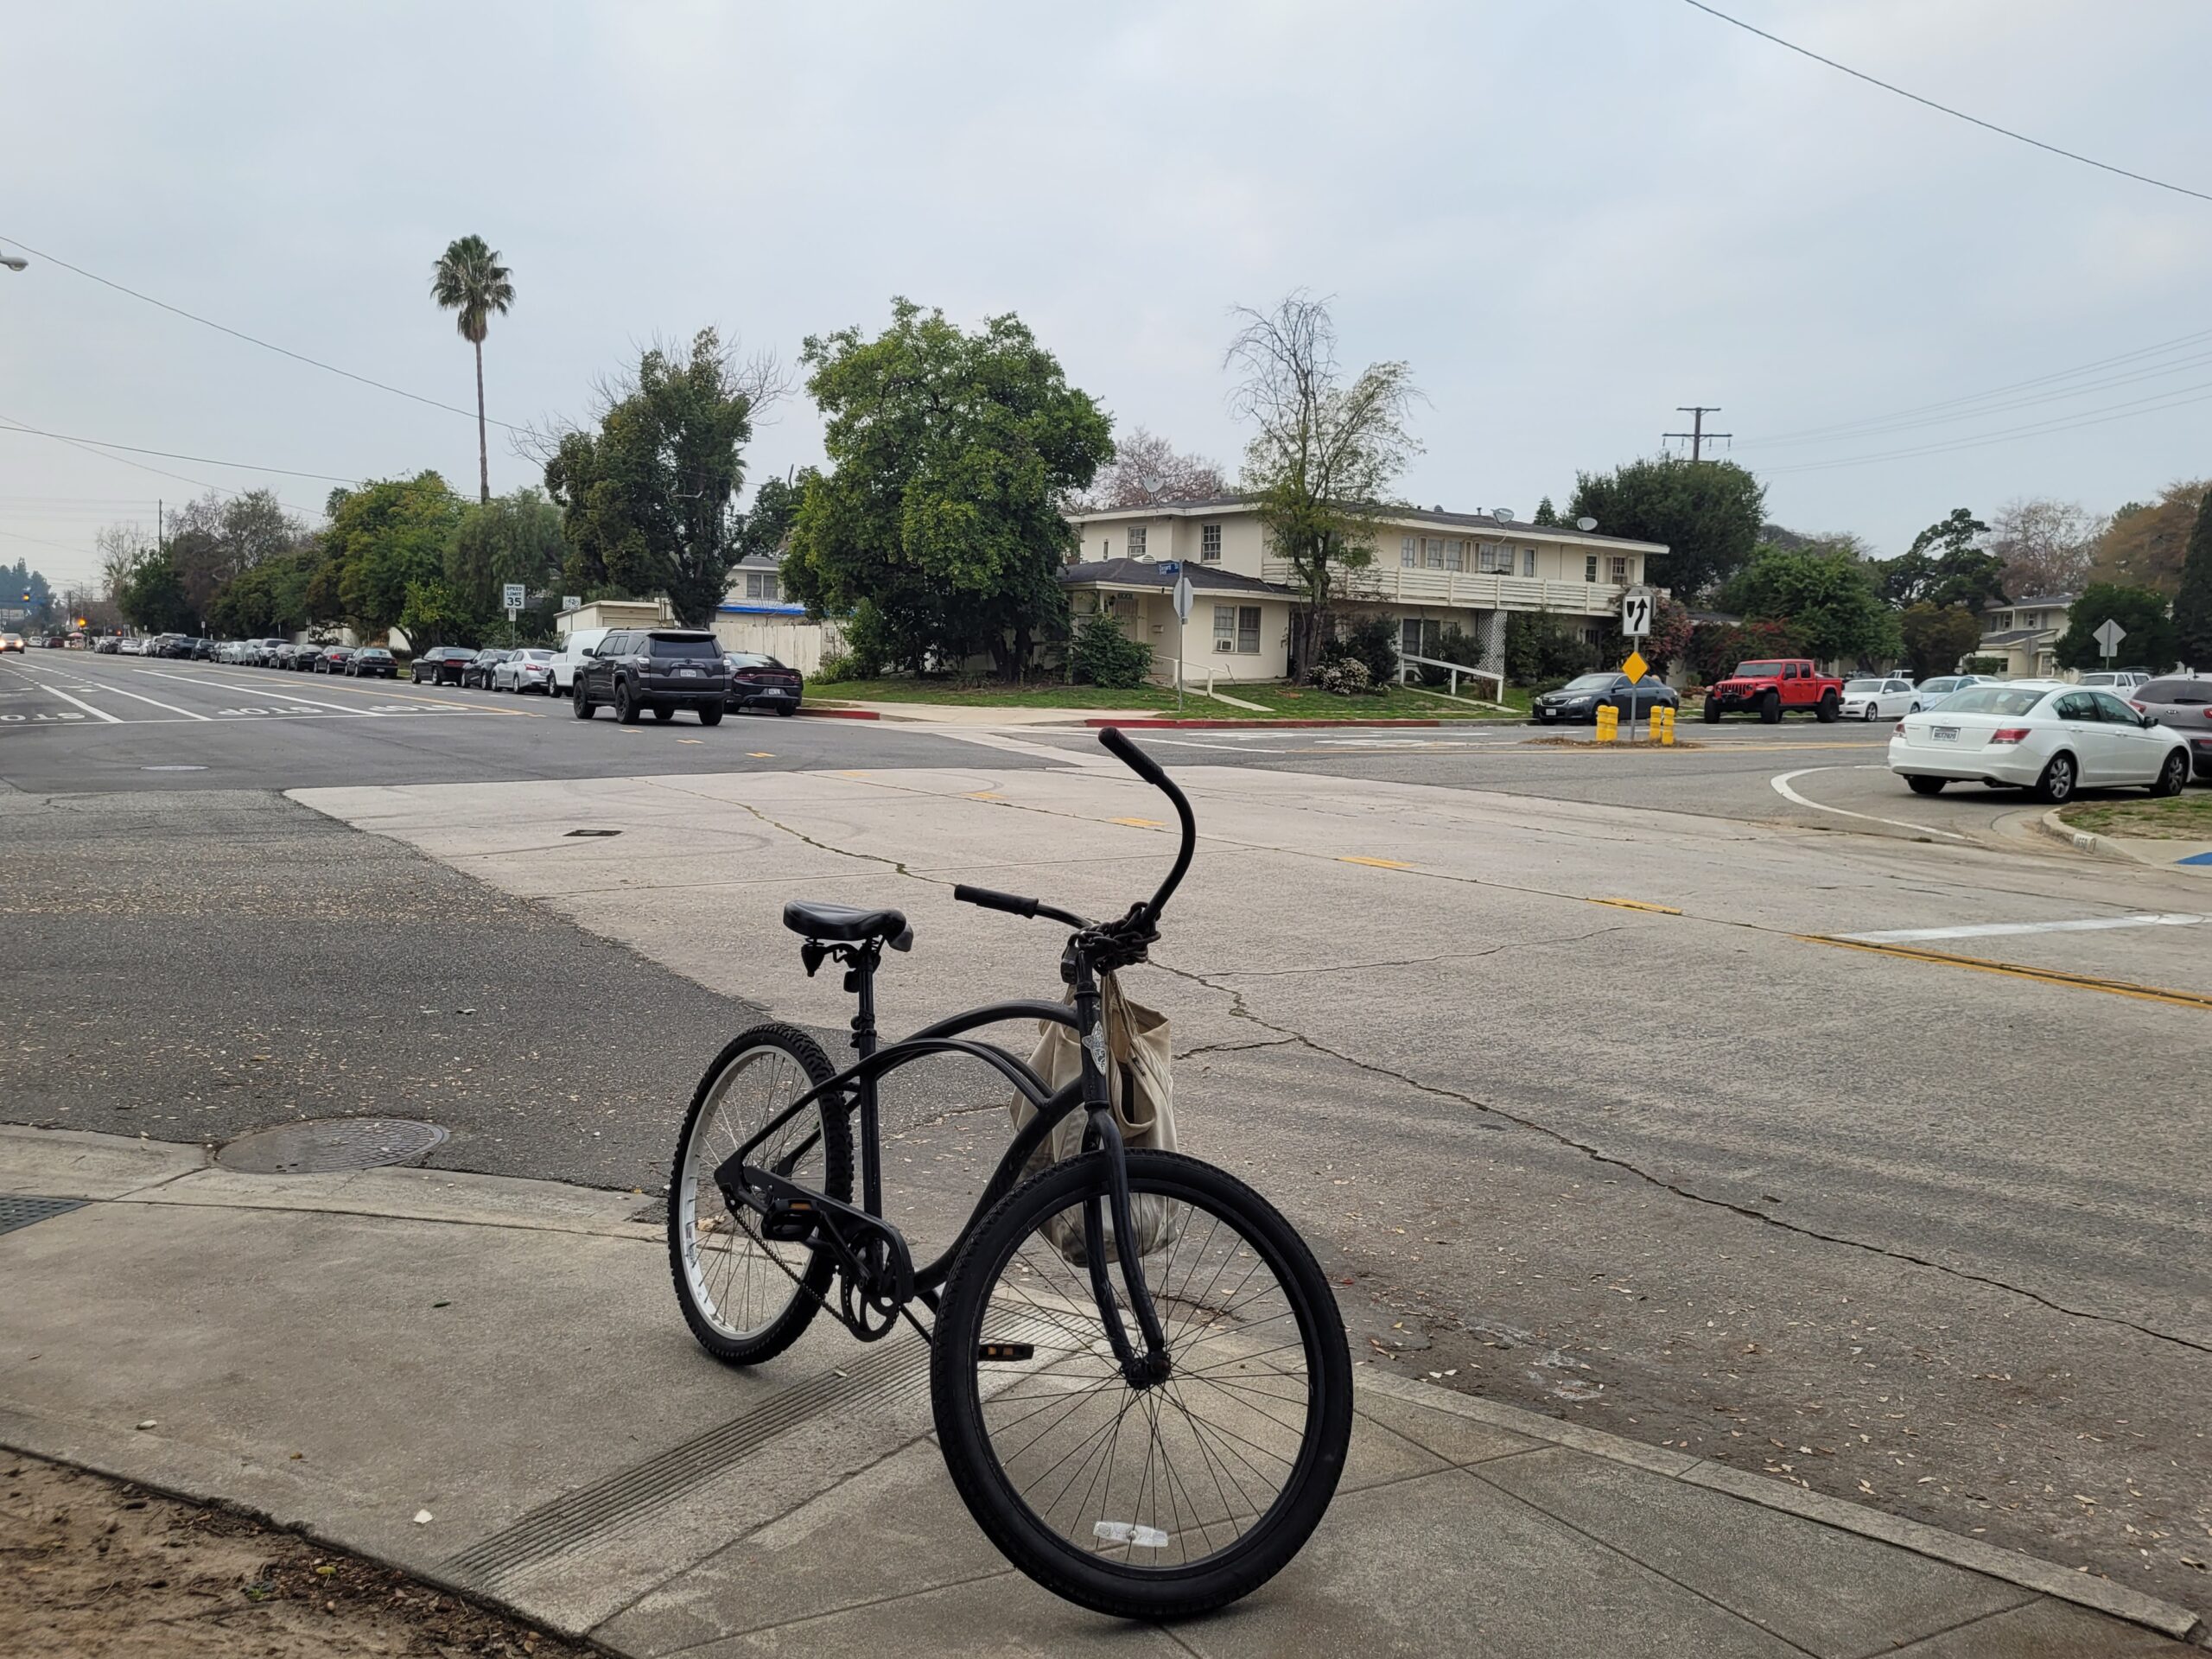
(525, 670)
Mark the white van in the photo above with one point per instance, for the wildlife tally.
(577, 646)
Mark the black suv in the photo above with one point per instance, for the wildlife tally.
(661, 669)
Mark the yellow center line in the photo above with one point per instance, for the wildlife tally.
(759, 754)
(1638, 904)
(1139, 823)
(1376, 863)
(2018, 970)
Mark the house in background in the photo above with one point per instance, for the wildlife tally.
(1432, 570)
(2025, 633)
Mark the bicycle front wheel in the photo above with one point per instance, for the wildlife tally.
(1172, 1498)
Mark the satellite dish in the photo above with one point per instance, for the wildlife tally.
(1151, 481)
(1503, 515)
(1585, 523)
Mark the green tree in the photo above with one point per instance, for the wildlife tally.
(1546, 513)
(1669, 638)
(1324, 456)
(1827, 595)
(1945, 566)
(433, 614)
(1936, 636)
(950, 454)
(516, 538)
(469, 281)
(2193, 598)
(2141, 612)
(271, 598)
(1707, 512)
(1717, 647)
(645, 501)
(382, 536)
(152, 596)
(763, 530)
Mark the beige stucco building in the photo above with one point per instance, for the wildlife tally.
(1431, 568)
(2025, 633)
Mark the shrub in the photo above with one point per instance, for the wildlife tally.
(1539, 646)
(1104, 655)
(1372, 642)
(1982, 666)
(837, 668)
(1347, 677)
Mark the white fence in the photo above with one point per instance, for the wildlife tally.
(793, 641)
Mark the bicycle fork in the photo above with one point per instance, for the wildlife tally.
(1153, 1365)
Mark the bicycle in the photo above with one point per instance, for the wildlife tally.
(1152, 1473)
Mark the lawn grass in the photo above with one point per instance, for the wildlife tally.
(2186, 817)
(1275, 702)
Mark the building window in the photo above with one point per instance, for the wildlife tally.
(1432, 552)
(761, 584)
(1237, 628)
(1136, 541)
(1590, 567)
(1417, 635)
(1210, 543)
(1620, 568)
(1455, 555)
(1408, 558)
(1527, 562)
(1593, 636)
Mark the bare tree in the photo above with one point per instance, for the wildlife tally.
(120, 548)
(2048, 546)
(1146, 469)
(2143, 545)
(1324, 455)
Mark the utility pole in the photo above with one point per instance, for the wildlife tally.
(1697, 434)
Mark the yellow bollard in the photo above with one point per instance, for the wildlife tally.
(1662, 725)
(1609, 723)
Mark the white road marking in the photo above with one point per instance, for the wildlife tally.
(100, 713)
(157, 701)
(287, 696)
(1994, 930)
(1782, 788)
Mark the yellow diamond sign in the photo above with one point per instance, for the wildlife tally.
(1636, 668)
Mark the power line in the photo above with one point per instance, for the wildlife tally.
(171, 455)
(1697, 434)
(2179, 399)
(1844, 428)
(1945, 109)
(251, 339)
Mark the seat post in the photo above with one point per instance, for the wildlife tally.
(860, 978)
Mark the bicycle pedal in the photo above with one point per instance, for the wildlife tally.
(1003, 1350)
(789, 1223)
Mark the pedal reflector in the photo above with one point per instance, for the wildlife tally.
(1006, 1350)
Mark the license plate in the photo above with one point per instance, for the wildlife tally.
(1944, 733)
(687, 673)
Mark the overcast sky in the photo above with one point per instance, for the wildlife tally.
(1570, 216)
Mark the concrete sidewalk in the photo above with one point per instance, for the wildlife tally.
(485, 1381)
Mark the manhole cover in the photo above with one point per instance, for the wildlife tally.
(16, 1211)
(331, 1144)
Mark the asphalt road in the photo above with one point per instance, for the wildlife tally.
(75, 724)
(1583, 1100)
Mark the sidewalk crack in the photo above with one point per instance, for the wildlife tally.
(1240, 1010)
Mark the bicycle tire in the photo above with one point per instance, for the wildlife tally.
(1089, 1576)
(749, 1345)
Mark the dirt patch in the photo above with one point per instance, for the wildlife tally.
(90, 1567)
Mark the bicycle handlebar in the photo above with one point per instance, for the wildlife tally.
(1118, 744)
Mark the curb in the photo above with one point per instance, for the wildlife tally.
(1205, 725)
(805, 713)
(1992, 1561)
(2120, 847)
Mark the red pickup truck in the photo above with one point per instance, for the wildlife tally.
(1773, 688)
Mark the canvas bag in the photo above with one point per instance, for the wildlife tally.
(1139, 1082)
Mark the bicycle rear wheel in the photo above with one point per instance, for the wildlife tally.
(1145, 1503)
(745, 1297)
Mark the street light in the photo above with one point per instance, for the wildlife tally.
(13, 261)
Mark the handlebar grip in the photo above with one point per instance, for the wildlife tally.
(1126, 751)
(1012, 904)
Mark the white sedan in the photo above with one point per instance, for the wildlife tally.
(1873, 699)
(2039, 734)
(523, 670)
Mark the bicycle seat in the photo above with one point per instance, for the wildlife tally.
(848, 924)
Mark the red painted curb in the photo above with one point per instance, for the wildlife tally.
(1271, 725)
(839, 713)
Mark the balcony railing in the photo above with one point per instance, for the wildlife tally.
(1472, 590)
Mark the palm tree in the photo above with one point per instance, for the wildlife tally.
(469, 279)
